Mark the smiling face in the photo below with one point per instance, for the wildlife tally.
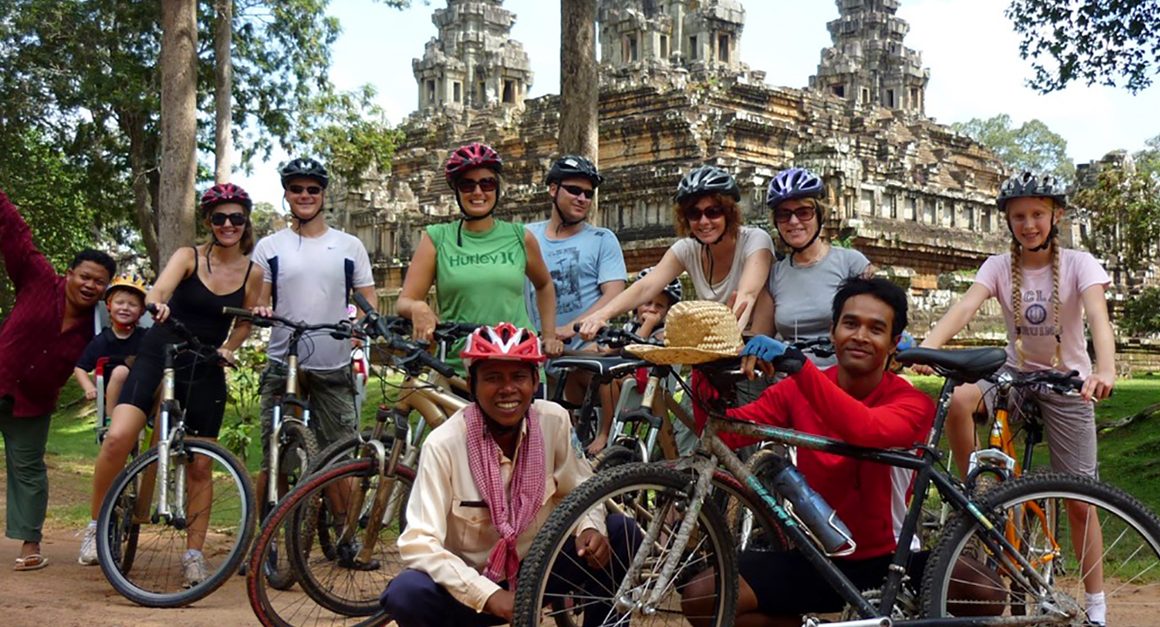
(504, 389)
(473, 198)
(125, 307)
(228, 233)
(862, 336)
(707, 220)
(1031, 219)
(85, 284)
(573, 197)
(305, 196)
(788, 218)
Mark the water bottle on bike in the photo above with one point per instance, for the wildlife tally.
(812, 510)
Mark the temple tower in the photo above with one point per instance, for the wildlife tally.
(671, 34)
(868, 64)
(473, 62)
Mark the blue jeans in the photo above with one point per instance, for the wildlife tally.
(413, 599)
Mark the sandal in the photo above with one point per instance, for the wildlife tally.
(36, 561)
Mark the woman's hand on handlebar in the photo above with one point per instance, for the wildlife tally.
(263, 311)
(592, 325)
(1098, 386)
(227, 356)
(160, 311)
(423, 322)
(553, 347)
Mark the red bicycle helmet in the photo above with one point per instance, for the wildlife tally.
(469, 157)
(505, 341)
(223, 193)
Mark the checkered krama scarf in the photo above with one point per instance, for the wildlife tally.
(510, 518)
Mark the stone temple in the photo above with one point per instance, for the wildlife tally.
(914, 195)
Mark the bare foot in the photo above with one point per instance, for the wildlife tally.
(598, 444)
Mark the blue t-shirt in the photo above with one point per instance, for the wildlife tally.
(579, 265)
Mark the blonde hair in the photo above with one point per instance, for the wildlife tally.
(1017, 300)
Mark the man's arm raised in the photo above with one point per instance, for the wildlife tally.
(21, 258)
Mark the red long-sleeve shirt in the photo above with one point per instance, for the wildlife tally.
(870, 498)
(36, 356)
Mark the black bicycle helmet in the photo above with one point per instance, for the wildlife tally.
(574, 166)
(304, 167)
(707, 179)
(1028, 185)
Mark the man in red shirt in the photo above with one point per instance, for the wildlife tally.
(857, 401)
(40, 341)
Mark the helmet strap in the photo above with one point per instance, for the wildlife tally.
(564, 222)
(466, 217)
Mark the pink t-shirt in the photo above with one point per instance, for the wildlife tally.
(1077, 272)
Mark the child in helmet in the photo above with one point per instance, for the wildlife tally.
(1046, 292)
(116, 343)
(648, 319)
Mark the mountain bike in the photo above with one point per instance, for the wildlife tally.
(344, 550)
(290, 445)
(976, 575)
(182, 493)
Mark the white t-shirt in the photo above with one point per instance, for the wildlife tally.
(1077, 272)
(688, 251)
(315, 276)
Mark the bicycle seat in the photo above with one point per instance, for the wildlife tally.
(967, 366)
(600, 366)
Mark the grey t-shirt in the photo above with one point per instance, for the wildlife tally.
(688, 252)
(803, 297)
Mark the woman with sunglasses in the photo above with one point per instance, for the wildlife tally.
(477, 264)
(727, 262)
(193, 287)
(803, 284)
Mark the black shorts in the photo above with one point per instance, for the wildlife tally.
(786, 585)
(199, 386)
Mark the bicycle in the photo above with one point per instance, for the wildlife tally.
(158, 490)
(376, 484)
(967, 579)
(292, 446)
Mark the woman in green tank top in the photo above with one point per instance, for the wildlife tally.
(477, 263)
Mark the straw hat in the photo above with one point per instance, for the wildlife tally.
(696, 332)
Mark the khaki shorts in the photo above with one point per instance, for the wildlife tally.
(333, 415)
(1069, 421)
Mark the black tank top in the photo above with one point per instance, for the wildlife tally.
(200, 310)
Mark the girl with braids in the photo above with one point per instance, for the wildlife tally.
(1045, 292)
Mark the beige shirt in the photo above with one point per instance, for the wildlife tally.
(449, 532)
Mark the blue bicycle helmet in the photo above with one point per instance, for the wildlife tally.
(794, 183)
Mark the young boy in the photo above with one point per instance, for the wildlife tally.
(125, 300)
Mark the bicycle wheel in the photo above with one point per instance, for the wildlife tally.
(124, 531)
(650, 501)
(219, 516)
(613, 456)
(335, 582)
(1120, 556)
(298, 449)
(344, 450)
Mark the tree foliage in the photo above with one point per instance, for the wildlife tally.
(1031, 146)
(1105, 42)
(83, 77)
(1123, 207)
(1141, 314)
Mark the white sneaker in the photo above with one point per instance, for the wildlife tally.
(195, 569)
(88, 556)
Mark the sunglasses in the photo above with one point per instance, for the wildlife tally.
(579, 191)
(693, 214)
(313, 190)
(466, 186)
(236, 219)
(803, 214)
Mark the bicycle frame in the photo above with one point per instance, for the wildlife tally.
(290, 399)
(713, 450)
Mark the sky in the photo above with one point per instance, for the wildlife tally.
(969, 46)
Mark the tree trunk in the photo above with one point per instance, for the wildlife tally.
(223, 89)
(175, 220)
(579, 88)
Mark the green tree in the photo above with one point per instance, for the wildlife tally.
(84, 76)
(1105, 42)
(1123, 206)
(1031, 146)
(1142, 313)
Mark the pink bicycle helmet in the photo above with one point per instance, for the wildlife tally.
(469, 157)
(223, 193)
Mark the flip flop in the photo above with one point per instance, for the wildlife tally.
(36, 561)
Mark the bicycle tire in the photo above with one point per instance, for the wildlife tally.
(231, 514)
(124, 531)
(657, 484)
(318, 574)
(345, 450)
(297, 453)
(963, 578)
(613, 456)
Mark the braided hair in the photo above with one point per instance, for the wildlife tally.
(1017, 299)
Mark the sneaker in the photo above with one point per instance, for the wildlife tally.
(88, 556)
(194, 568)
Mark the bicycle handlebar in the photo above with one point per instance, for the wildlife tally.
(193, 343)
(618, 338)
(1062, 382)
(338, 330)
(413, 350)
